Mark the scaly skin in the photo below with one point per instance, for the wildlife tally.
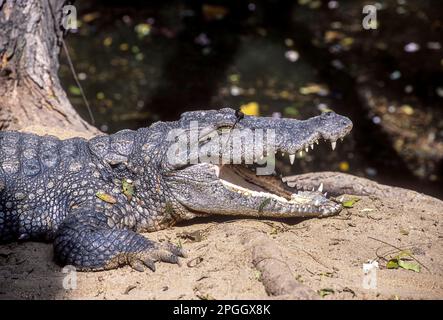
(92, 198)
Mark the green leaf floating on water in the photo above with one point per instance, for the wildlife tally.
(128, 188)
(105, 197)
(350, 203)
(74, 90)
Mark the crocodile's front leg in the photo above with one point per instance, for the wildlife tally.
(86, 241)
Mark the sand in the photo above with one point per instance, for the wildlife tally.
(258, 259)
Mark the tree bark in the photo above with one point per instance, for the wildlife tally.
(31, 95)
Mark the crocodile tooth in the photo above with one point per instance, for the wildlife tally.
(316, 141)
(326, 194)
(282, 154)
(292, 158)
(317, 202)
(320, 188)
(333, 144)
(306, 149)
(301, 153)
(341, 199)
(313, 188)
(312, 146)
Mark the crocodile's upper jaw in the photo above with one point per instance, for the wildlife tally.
(206, 188)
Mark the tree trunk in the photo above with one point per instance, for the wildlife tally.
(31, 95)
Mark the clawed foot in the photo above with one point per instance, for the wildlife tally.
(164, 252)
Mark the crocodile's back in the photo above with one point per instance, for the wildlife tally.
(26, 155)
(29, 194)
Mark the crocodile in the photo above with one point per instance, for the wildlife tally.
(92, 198)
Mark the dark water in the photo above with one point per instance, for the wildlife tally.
(141, 62)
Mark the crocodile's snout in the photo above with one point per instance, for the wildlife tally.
(238, 188)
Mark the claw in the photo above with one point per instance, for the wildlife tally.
(165, 252)
(166, 256)
(136, 265)
(149, 263)
(176, 250)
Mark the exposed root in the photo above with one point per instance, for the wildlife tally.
(276, 275)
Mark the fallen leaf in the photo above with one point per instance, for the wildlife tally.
(105, 197)
(399, 261)
(392, 264)
(409, 265)
(350, 203)
(128, 188)
(324, 292)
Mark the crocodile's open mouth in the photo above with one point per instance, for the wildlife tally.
(245, 188)
(244, 181)
(227, 189)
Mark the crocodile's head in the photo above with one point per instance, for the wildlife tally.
(244, 185)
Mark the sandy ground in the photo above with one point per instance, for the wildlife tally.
(259, 259)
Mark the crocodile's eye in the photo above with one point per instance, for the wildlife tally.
(239, 114)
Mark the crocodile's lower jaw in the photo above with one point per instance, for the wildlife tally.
(251, 186)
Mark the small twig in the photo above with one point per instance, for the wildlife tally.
(74, 74)
(400, 250)
(315, 258)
